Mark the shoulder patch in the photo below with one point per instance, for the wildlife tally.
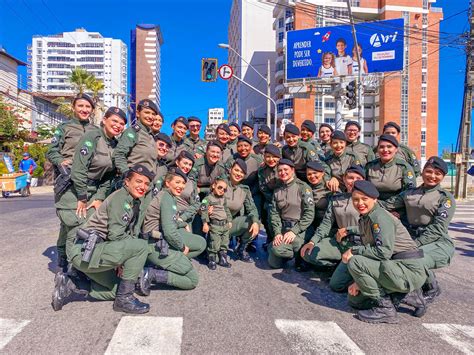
(88, 143)
(126, 218)
(376, 228)
(57, 132)
(54, 140)
(127, 206)
(410, 175)
(130, 135)
(84, 150)
(136, 127)
(447, 204)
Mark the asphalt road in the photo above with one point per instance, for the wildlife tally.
(246, 309)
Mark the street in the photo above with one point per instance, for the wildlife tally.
(246, 309)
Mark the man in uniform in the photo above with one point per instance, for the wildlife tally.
(137, 145)
(178, 138)
(264, 135)
(61, 153)
(308, 129)
(194, 143)
(118, 256)
(362, 150)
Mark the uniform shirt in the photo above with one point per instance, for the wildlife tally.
(268, 181)
(321, 200)
(339, 164)
(253, 162)
(220, 211)
(301, 154)
(227, 153)
(342, 64)
(195, 146)
(316, 147)
(204, 174)
(161, 168)
(259, 149)
(390, 178)
(292, 202)
(176, 148)
(382, 235)
(240, 202)
(408, 155)
(232, 145)
(432, 209)
(325, 148)
(66, 138)
(363, 151)
(188, 202)
(135, 146)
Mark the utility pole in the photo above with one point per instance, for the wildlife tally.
(236, 110)
(269, 94)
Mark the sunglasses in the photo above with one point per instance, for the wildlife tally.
(163, 145)
(194, 126)
(222, 188)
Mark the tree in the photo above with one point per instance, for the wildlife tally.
(64, 107)
(10, 125)
(45, 131)
(79, 78)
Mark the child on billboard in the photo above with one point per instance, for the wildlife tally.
(343, 60)
(363, 62)
(327, 69)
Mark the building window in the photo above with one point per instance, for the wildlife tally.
(423, 136)
(281, 22)
(423, 106)
(288, 13)
(423, 78)
(290, 26)
(288, 103)
(423, 92)
(330, 120)
(329, 105)
(424, 63)
(280, 108)
(281, 35)
(423, 151)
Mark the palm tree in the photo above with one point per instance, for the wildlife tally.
(79, 78)
(96, 86)
(64, 107)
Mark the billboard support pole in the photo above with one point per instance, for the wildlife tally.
(338, 106)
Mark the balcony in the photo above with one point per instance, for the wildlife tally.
(280, 74)
(279, 89)
(281, 45)
(280, 58)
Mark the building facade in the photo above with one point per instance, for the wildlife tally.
(145, 64)
(51, 59)
(215, 117)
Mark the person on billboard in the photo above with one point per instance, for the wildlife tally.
(343, 60)
(328, 69)
(355, 64)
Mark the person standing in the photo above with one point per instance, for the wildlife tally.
(223, 137)
(157, 123)
(362, 150)
(264, 135)
(325, 131)
(194, 143)
(234, 130)
(27, 165)
(308, 129)
(321, 194)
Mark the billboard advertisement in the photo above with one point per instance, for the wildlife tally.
(329, 51)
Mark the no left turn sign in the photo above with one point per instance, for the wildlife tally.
(226, 72)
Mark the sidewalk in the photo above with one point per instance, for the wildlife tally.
(38, 190)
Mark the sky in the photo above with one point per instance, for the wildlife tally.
(191, 30)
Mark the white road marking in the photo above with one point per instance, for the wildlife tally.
(459, 336)
(9, 328)
(317, 337)
(147, 335)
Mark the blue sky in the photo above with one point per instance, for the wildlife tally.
(191, 31)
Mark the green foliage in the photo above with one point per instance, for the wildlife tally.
(45, 131)
(38, 153)
(10, 127)
(64, 106)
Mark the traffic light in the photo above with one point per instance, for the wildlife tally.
(208, 69)
(351, 94)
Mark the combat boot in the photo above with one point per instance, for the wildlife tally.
(148, 277)
(223, 259)
(383, 312)
(63, 288)
(126, 302)
(416, 300)
(243, 255)
(62, 263)
(431, 290)
(300, 264)
(252, 247)
(212, 262)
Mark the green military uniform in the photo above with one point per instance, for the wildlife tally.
(232, 146)
(226, 153)
(135, 146)
(62, 147)
(188, 202)
(218, 222)
(161, 169)
(253, 162)
(292, 209)
(160, 226)
(321, 196)
(316, 147)
(363, 151)
(195, 146)
(116, 221)
(408, 155)
(390, 178)
(267, 181)
(300, 154)
(339, 164)
(176, 148)
(325, 148)
(204, 174)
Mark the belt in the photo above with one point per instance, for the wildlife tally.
(410, 254)
(216, 222)
(92, 182)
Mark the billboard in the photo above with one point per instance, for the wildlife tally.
(329, 51)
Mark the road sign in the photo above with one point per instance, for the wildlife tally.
(226, 72)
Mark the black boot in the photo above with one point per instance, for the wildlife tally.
(383, 312)
(63, 288)
(431, 290)
(252, 247)
(300, 264)
(212, 262)
(243, 255)
(223, 259)
(62, 263)
(126, 302)
(148, 277)
(80, 280)
(414, 299)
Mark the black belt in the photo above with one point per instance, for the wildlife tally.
(410, 254)
(216, 222)
(91, 182)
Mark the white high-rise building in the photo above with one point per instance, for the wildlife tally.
(51, 59)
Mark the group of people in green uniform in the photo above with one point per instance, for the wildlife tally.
(136, 205)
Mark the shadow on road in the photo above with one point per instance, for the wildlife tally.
(461, 227)
(51, 254)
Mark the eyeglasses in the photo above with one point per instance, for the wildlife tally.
(163, 145)
(222, 188)
(194, 126)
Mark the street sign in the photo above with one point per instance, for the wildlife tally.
(226, 72)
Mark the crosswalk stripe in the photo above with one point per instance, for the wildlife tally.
(9, 328)
(317, 337)
(459, 336)
(147, 335)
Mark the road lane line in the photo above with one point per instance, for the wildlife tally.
(317, 337)
(459, 336)
(147, 335)
(9, 328)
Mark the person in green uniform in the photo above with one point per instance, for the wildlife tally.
(223, 137)
(326, 247)
(321, 194)
(194, 143)
(308, 129)
(291, 214)
(157, 123)
(247, 130)
(267, 182)
(386, 261)
(117, 258)
(389, 174)
(338, 160)
(429, 209)
(234, 130)
(178, 138)
(217, 223)
(404, 151)
(169, 253)
(325, 131)
(163, 146)
(61, 153)
(137, 145)
(363, 151)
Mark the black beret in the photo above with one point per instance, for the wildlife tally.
(244, 139)
(367, 188)
(273, 150)
(437, 163)
(339, 135)
(185, 154)
(315, 165)
(309, 125)
(215, 144)
(389, 138)
(142, 170)
(84, 97)
(224, 127)
(241, 164)
(352, 123)
(291, 128)
(391, 124)
(265, 129)
(178, 172)
(236, 125)
(116, 111)
(194, 118)
(181, 119)
(356, 169)
(147, 103)
(248, 124)
(164, 138)
(286, 162)
(326, 125)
